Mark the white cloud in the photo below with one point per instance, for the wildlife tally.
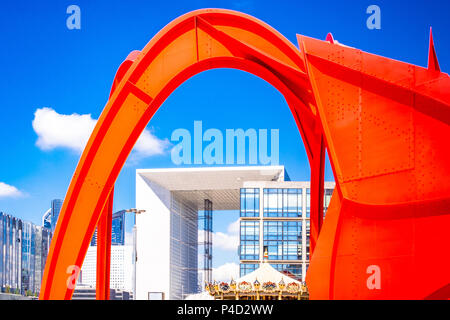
(149, 145)
(228, 241)
(233, 227)
(226, 272)
(7, 191)
(56, 130)
(72, 132)
(224, 241)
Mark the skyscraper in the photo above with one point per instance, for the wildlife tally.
(10, 243)
(121, 268)
(24, 249)
(47, 219)
(56, 208)
(121, 257)
(117, 230)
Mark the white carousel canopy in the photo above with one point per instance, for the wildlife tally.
(266, 273)
(264, 282)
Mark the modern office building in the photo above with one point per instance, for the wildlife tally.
(121, 273)
(10, 244)
(176, 228)
(35, 245)
(274, 215)
(47, 219)
(55, 209)
(117, 230)
(23, 253)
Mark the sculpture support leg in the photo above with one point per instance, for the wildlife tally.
(104, 250)
(317, 185)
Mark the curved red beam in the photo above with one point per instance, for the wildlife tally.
(383, 122)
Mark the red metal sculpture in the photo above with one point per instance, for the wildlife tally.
(384, 123)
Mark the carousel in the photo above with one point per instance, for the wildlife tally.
(265, 283)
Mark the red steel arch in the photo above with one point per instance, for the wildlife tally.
(378, 118)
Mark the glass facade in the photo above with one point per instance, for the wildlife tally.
(205, 224)
(327, 193)
(249, 244)
(183, 249)
(43, 240)
(281, 226)
(246, 268)
(250, 202)
(308, 202)
(283, 239)
(28, 255)
(10, 241)
(283, 203)
(24, 248)
(308, 231)
(291, 270)
(56, 208)
(47, 219)
(117, 230)
(326, 201)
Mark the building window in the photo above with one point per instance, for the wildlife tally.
(291, 270)
(283, 239)
(308, 231)
(249, 202)
(249, 244)
(246, 268)
(282, 203)
(308, 202)
(326, 200)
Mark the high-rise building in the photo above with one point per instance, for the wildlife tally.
(28, 256)
(47, 219)
(10, 259)
(117, 230)
(274, 216)
(121, 271)
(55, 209)
(24, 249)
(167, 234)
(35, 246)
(176, 228)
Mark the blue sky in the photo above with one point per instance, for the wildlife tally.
(46, 65)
